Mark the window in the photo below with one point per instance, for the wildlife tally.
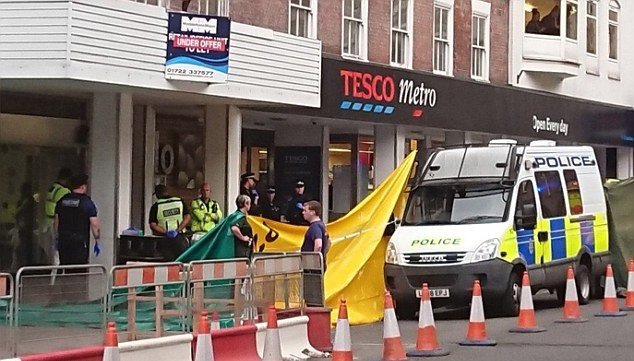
(300, 18)
(525, 197)
(355, 17)
(443, 34)
(571, 20)
(546, 25)
(574, 192)
(401, 47)
(479, 45)
(613, 29)
(551, 194)
(591, 27)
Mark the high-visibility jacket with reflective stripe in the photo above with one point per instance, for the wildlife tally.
(169, 213)
(53, 196)
(205, 216)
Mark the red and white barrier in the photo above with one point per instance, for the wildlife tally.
(169, 348)
(146, 275)
(218, 270)
(235, 344)
(94, 353)
(293, 336)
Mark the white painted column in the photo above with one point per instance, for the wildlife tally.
(384, 152)
(216, 152)
(325, 154)
(234, 149)
(124, 182)
(624, 163)
(150, 149)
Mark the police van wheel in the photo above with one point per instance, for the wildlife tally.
(582, 279)
(511, 300)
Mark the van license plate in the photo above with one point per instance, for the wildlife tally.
(435, 293)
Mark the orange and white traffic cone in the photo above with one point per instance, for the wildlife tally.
(526, 321)
(392, 346)
(272, 344)
(111, 344)
(215, 321)
(477, 330)
(342, 347)
(610, 303)
(426, 340)
(204, 346)
(629, 298)
(572, 312)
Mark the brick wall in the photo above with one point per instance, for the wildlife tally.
(329, 26)
(272, 14)
(499, 51)
(462, 39)
(423, 34)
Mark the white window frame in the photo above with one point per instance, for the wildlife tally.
(482, 9)
(363, 33)
(594, 17)
(409, 48)
(565, 19)
(312, 16)
(449, 6)
(616, 7)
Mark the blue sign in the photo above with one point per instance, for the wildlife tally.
(197, 48)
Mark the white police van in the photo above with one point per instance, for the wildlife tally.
(490, 213)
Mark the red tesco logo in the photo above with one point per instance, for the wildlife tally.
(367, 86)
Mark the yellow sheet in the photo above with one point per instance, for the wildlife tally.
(356, 257)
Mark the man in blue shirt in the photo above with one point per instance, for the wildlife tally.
(75, 218)
(316, 238)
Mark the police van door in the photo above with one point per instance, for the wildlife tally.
(528, 227)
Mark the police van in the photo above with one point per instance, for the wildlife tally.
(492, 212)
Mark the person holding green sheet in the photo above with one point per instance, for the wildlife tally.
(242, 232)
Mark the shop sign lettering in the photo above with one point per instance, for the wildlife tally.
(557, 127)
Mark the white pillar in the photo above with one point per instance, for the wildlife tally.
(150, 149)
(234, 149)
(384, 151)
(325, 155)
(110, 167)
(624, 163)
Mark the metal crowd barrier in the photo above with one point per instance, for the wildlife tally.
(278, 281)
(223, 286)
(6, 315)
(140, 290)
(313, 266)
(48, 313)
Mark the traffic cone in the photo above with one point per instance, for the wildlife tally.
(215, 321)
(526, 322)
(111, 343)
(610, 304)
(572, 313)
(204, 346)
(272, 344)
(477, 330)
(392, 346)
(629, 299)
(342, 347)
(426, 340)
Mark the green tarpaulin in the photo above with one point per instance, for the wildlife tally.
(621, 204)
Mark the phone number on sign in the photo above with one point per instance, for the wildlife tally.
(176, 71)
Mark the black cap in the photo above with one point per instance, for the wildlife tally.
(299, 183)
(270, 189)
(160, 189)
(248, 175)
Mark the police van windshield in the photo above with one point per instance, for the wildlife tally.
(457, 204)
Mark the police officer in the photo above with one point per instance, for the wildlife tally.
(206, 212)
(270, 209)
(296, 205)
(75, 218)
(169, 215)
(247, 187)
(58, 189)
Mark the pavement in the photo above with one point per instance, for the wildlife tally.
(598, 339)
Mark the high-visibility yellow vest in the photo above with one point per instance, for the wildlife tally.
(169, 213)
(205, 216)
(54, 194)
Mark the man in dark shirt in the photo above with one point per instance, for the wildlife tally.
(75, 218)
(247, 187)
(270, 209)
(316, 238)
(294, 213)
